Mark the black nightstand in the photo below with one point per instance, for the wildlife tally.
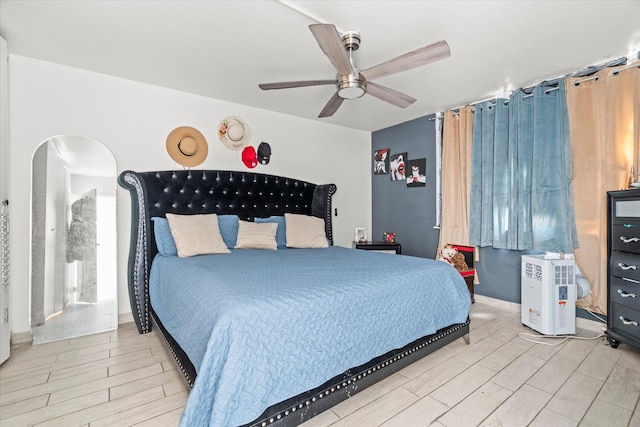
(379, 246)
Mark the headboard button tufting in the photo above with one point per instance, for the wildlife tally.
(245, 194)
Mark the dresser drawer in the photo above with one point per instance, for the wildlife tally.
(625, 293)
(625, 265)
(625, 237)
(625, 320)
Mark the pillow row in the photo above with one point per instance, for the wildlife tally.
(189, 235)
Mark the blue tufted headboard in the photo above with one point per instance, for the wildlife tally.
(246, 194)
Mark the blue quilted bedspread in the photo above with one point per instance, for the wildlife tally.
(263, 326)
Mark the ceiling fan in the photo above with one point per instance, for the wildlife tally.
(353, 83)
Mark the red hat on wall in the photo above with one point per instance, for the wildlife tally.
(249, 157)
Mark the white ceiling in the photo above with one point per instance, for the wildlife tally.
(223, 49)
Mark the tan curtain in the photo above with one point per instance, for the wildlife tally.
(457, 138)
(604, 123)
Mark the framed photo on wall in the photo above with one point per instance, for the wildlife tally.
(360, 234)
(397, 166)
(381, 161)
(416, 173)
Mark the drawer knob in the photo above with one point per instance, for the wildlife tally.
(624, 294)
(626, 267)
(628, 322)
(629, 239)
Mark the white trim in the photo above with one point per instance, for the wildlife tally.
(591, 325)
(438, 127)
(505, 305)
(125, 318)
(21, 337)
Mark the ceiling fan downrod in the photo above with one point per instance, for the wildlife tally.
(351, 86)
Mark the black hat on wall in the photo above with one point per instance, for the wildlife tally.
(264, 153)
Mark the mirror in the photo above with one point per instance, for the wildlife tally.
(74, 278)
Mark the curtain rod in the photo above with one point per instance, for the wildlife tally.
(577, 83)
(594, 77)
(628, 67)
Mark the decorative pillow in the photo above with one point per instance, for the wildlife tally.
(305, 231)
(228, 229)
(164, 239)
(196, 234)
(281, 233)
(253, 235)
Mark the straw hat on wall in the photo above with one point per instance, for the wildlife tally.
(187, 146)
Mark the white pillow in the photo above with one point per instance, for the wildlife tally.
(253, 235)
(305, 231)
(196, 234)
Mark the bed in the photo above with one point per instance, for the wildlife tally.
(274, 337)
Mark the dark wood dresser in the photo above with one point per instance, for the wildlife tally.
(623, 268)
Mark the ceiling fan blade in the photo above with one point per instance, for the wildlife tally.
(331, 44)
(332, 106)
(391, 96)
(302, 83)
(417, 58)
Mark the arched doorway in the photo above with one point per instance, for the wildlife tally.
(73, 239)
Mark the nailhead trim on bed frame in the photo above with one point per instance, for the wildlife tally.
(164, 190)
(383, 365)
(185, 373)
(141, 244)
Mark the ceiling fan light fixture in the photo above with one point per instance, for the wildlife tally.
(351, 87)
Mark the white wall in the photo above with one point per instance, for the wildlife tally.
(133, 120)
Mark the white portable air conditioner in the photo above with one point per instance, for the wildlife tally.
(548, 295)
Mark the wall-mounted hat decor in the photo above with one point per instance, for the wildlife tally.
(249, 157)
(187, 146)
(264, 153)
(234, 133)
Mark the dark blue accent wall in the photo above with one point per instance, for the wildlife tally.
(410, 212)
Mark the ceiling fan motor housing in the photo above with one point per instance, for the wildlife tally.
(351, 39)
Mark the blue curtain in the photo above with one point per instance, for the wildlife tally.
(521, 195)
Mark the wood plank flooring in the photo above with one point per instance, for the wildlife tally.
(121, 378)
(109, 379)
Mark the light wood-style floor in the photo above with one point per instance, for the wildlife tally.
(121, 378)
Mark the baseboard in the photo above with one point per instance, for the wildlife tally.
(21, 337)
(27, 337)
(591, 325)
(125, 318)
(494, 302)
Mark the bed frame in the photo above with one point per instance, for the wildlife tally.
(248, 195)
